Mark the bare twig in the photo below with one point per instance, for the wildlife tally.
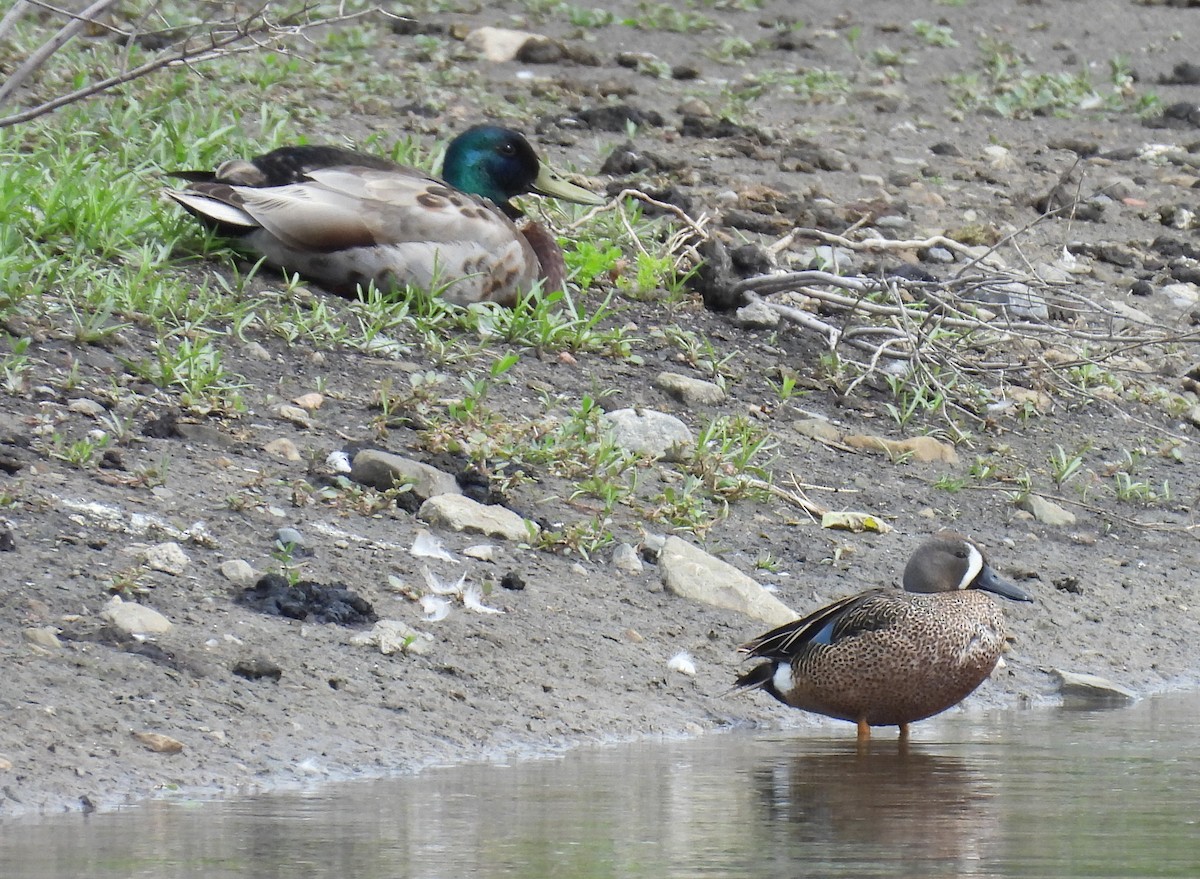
(681, 243)
(944, 331)
(15, 14)
(17, 78)
(209, 41)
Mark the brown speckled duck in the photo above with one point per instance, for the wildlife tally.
(889, 658)
(344, 219)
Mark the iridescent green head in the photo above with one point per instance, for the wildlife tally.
(498, 164)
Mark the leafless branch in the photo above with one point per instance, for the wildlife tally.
(963, 327)
(270, 24)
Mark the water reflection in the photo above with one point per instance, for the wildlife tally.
(1007, 795)
(917, 806)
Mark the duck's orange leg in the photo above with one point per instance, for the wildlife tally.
(903, 732)
(864, 732)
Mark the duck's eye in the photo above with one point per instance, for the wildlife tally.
(508, 149)
(961, 553)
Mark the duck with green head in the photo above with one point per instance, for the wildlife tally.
(345, 219)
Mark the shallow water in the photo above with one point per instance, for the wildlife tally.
(1011, 794)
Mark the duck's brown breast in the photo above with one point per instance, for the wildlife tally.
(934, 653)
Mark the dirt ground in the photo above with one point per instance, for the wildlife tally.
(580, 654)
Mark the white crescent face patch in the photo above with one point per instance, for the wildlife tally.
(974, 566)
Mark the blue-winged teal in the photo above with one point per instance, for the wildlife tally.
(344, 219)
(883, 657)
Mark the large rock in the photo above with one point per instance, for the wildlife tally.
(133, 618)
(503, 44)
(1091, 691)
(689, 391)
(1046, 511)
(166, 557)
(394, 636)
(383, 470)
(460, 513)
(1014, 300)
(648, 432)
(43, 636)
(692, 573)
(925, 449)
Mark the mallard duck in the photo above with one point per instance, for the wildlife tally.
(889, 658)
(344, 219)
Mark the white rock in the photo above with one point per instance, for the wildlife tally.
(625, 558)
(134, 618)
(1133, 315)
(383, 470)
(43, 636)
(85, 406)
(648, 432)
(239, 572)
(483, 552)
(998, 156)
(499, 44)
(166, 557)
(692, 573)
(688, 390)
(756, 316)
(1046, 511)
(460, 513)
(394, 636)
(1182, 294)
(1091, 689)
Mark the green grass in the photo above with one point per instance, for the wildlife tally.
(654, 16)
(91, 253)
(938, 35)
(1007, 86)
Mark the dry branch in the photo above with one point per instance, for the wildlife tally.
(943, 331)
(268, 26)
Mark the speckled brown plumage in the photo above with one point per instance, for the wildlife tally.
(885, 657)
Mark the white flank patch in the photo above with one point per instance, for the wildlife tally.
(426, 546)
(216, 210)
(682, 663)
(436, 608)
(473, 600)
(974, 566)
(782, 679)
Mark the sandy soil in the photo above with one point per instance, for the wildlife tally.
(581, 653)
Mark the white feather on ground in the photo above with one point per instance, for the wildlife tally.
(473, 600)
(436, 608)
(437, 587)
(682, 663)
(427, 546)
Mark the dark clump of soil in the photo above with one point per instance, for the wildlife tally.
(306, 600)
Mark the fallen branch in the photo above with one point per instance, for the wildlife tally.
(205, 42)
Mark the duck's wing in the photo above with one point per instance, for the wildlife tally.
(853, 615)
(347, 207)
(289, 164)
